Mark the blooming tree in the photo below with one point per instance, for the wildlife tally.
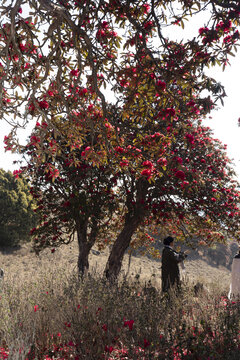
(185, 187)
(56, 54)
(115, 99)
(73, 196)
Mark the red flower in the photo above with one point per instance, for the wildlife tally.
(119, 149)
(180, 174)
(34, 140)
(147, 164)
(146, 8)
(108, 349)
(129, 323)
(104, 24)
(146, 172)
(161, 85)
(16, 173)
(43, 104)
(74, 72)
(170, 111)
(104, 327)
(162, 161)
(36, 308)
(146, 343)
(148, 25)
(124, 163)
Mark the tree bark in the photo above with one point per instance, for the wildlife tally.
(85, 243)
(84, 249)
(121, 244)
(132, 220)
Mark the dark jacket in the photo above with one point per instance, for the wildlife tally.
(170, 269)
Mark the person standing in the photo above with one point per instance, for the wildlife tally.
(234, 292)
(170, 269)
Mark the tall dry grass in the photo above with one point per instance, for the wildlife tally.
(54, 315)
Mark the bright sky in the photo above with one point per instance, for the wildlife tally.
(224, 122)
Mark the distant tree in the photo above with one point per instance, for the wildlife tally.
(16, 210)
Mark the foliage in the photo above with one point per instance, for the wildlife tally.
(16, 214)
(57, 57)
(53, 316)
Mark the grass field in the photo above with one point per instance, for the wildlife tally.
(46, 313)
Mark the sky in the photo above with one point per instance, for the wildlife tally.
(224, 121)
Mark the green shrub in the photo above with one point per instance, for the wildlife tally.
(16, 210)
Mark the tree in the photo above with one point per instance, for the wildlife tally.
(73, 196)
(189, 191)
(55, 62)
(185, 186)
(16, 204)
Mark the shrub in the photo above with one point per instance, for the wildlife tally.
(16, 210)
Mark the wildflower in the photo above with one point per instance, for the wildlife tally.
(104, 327)
(129, 323)
(146, 343)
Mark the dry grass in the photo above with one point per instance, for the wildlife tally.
(47, 314)
(21, 263)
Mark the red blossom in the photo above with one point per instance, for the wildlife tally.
(74, 72)
(161, 85)
(148, 25)
(180, 174)
(43, 104)
(146, 172)
(146, 8)
(129, 323)
(104, 327)
(109, 349)
(16, 173)
(146, 343)
(124, 163)
(147, 164)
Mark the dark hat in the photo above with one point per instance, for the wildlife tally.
(168, 240)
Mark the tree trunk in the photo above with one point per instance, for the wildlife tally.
(84, 249)
(85, 243)
(121, 244)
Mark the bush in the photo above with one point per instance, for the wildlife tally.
(16, 210)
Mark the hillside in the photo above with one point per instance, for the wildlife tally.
(199, 266)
